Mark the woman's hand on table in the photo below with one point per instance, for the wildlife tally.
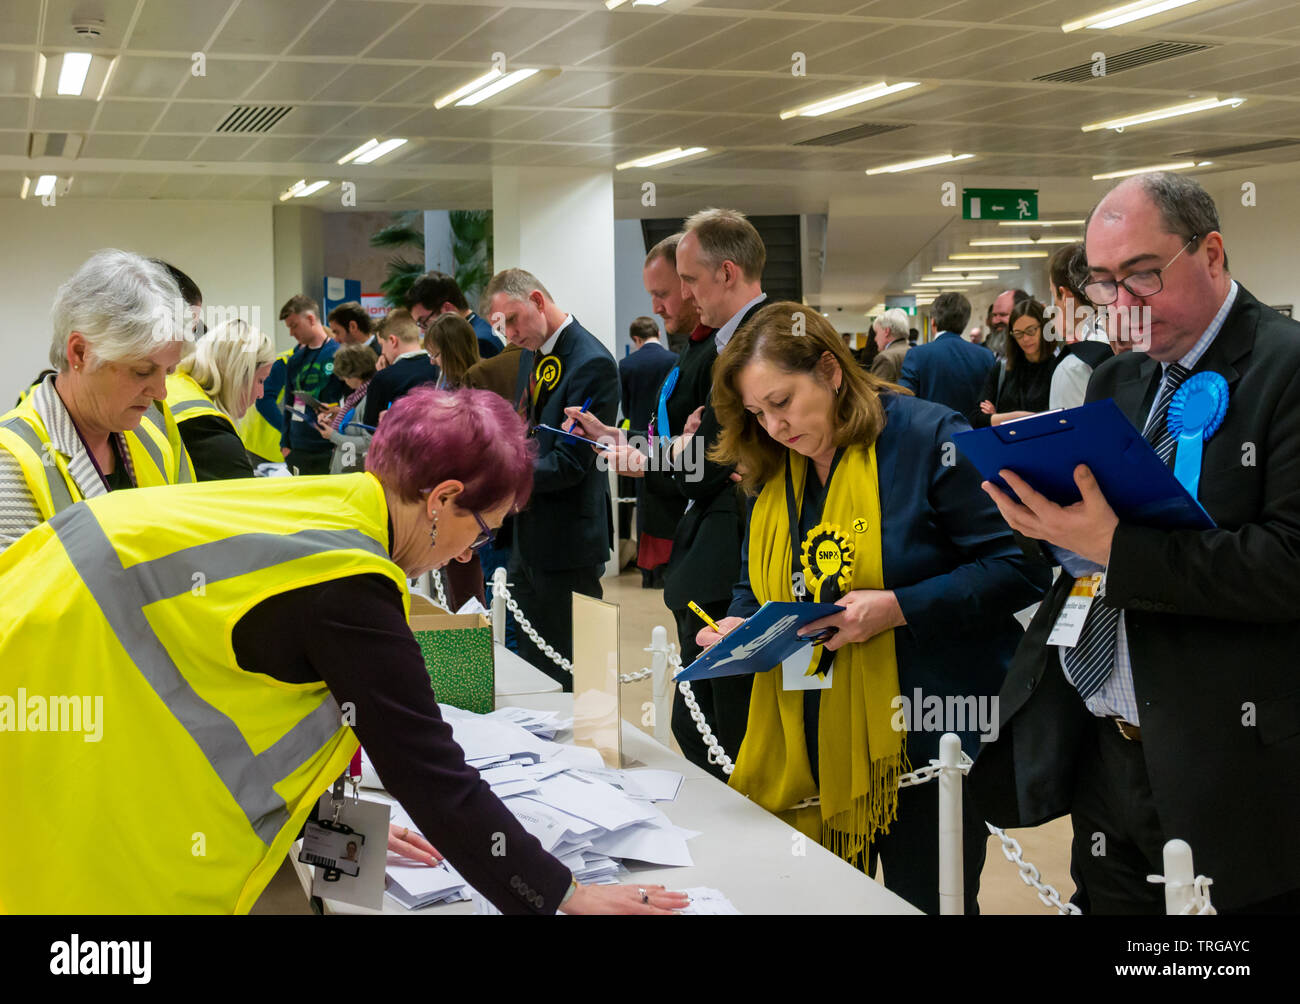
(867, 612)
(410, 844)
(707, 637)
(593, 899)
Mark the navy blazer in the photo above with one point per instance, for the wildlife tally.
(950, 559)
(949, 371)
(568, 523)
(391, 382)
(641, 373)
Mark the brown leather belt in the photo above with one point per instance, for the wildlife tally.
(1127, 729)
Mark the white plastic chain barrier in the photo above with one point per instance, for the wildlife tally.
(502, 593)
(436, 576)
(1185, 891)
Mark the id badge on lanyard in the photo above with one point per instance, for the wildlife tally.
(1070, 621)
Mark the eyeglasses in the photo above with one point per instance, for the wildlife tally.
(423, 323)
(1103, 292)
(485, 537)
(1024, 332)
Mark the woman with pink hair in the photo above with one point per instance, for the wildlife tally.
(260, 687)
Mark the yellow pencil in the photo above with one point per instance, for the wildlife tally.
(704, 617)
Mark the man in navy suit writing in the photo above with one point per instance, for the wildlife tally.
(948, 370)
(563, 538)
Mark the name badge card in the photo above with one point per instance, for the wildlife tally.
(1069, 623)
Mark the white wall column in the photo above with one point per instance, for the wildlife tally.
(559, 225)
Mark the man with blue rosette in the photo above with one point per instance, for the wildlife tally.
(1172, 709)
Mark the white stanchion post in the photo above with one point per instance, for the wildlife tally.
(498, 606)
(1180, 878)
(951, 892)
(660, 682)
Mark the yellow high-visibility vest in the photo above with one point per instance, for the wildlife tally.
(186, 399)
(202, 773)
(157, 454)
(262, 438)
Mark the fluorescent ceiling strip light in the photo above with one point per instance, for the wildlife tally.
(293, 190)
(384, 148)
(663, 157)
(986, 255)
(469, 88)
(1168, 112)
(45, 185)
(912, 165)
(1040, 223)
(1182, 165)
(311, 189)
(509, 80)
(613, 4)
(848, 99)
(1116, 16)
(994, 242)
(72, 76)
(27, 187)
(1000, 267)
(369, 144)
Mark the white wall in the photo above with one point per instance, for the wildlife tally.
(297, 247)
(630, 298)
(559, 225)
(224, 247)
(1261, 240)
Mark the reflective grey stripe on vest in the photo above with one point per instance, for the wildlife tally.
(58, 487)
(181, 406)
(153, 418)
(123, 593)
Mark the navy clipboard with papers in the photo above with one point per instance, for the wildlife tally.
(1045, 449)
(761, 643)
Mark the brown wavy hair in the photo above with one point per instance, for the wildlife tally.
(859, 415)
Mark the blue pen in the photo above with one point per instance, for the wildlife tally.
(573, 422)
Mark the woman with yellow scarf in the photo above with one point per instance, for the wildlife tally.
(862, 501)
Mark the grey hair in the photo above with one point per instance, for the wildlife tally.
(516, 284)
(895, 321)
(726, 235)
(1186, 208)
(123, 304)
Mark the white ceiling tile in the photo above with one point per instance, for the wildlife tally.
(64, 114)
(17, 70)
(661, 39)
(13, 113)
(147, 77)
(511, 34)
(907, 8)
(264, 27)
(574, 87)
(349, 26)
(166, 24)
(1242, 19)
(223, 148)
(376, 120)
(287, 82)
(585, 36)
(305, 120)
(167, 148)
(227, 79)
(13, 144)
(428, 152)
(18, 21)
(128, 116)
(193, 117)
(272, 150)
(113, 147)
(367, 82)
(432, 29)
(94, 186)
(138, 186)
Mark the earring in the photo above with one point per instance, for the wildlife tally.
(433, 533)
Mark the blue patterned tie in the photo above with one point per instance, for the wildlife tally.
(1092, 659)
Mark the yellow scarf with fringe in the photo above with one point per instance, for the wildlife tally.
(860, 753)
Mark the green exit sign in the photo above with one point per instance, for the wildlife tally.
(999, 204)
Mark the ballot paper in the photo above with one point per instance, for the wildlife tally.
(589, 817)
(705, 901)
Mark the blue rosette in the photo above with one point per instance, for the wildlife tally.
(1195, 414)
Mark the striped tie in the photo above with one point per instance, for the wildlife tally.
(1092, 659)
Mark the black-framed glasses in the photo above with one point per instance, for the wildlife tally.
(423, 323)
(1031, 330)
(486, 534)
(1103, 292)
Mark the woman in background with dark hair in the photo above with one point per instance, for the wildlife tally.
(452, 345)
(1021, 384)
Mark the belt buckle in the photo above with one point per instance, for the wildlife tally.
(1123, 728)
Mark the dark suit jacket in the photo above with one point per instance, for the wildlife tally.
(393, 381)
(568, 523)
(1213, 625)
(640, 375)
(489, 345)
(948, 370)
(955, 567)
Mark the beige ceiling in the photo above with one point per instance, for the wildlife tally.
(633, 81)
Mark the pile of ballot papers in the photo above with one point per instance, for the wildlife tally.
(590, 817)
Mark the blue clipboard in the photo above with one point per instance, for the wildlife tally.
(1045, 449)
(761, 643)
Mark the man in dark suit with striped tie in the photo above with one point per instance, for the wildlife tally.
(1175, 713)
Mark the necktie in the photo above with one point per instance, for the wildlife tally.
(1092, 659)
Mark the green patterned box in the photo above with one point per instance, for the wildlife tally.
(458, 654)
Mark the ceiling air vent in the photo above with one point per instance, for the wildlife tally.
(1121, 61)
(1229, 151)
(253, 118)
(55, 144)
(849, 135)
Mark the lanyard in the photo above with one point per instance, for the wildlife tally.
(794, 513)
(112, 445)
(665, 392)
